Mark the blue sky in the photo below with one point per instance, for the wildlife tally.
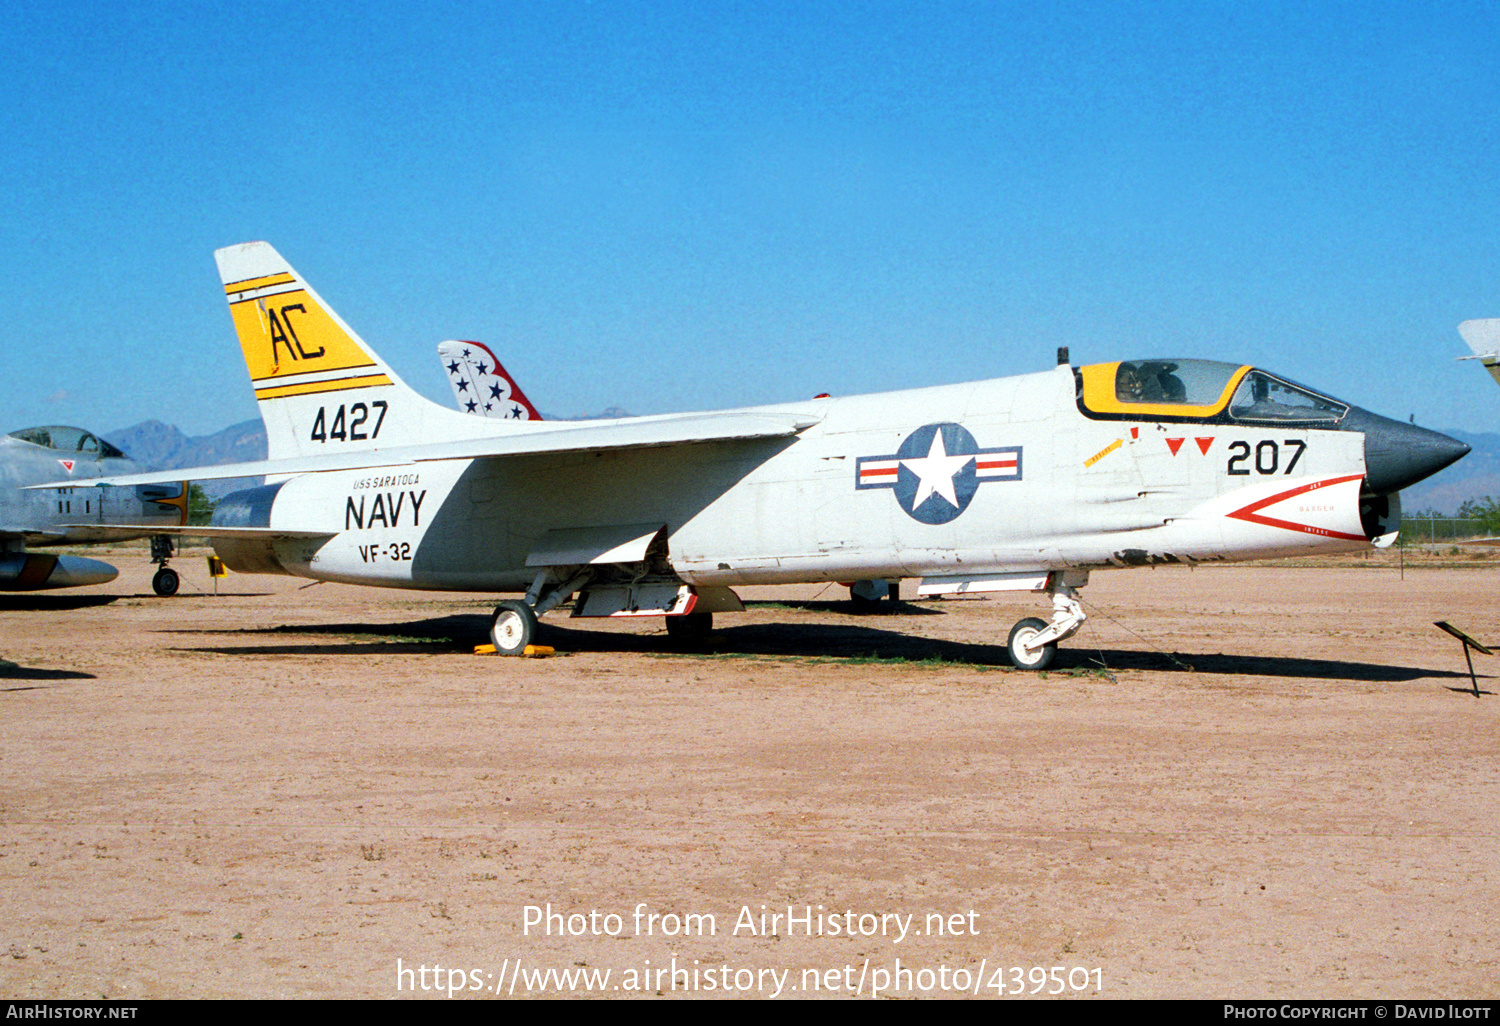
(687, 206)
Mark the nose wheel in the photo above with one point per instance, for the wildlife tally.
(165, 582)
(1025, 653)
(1033, 641)
(867, 596)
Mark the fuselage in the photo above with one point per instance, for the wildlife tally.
(1039, 472)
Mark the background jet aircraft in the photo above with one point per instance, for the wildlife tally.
(1021, 483)
(1484, 338)
(70, 513)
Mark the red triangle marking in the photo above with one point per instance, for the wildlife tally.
(1174, 444)
(67, 465)
(1135, 432)
(1203, 444)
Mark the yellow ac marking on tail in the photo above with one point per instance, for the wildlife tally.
(1111, 447)
(289, 333)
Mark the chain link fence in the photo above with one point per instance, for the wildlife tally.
(1431, 531)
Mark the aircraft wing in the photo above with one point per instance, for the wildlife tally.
(554, 437)
(76, 534)
(87, 534)
(205, 531)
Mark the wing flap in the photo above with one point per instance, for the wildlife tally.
(577, 546)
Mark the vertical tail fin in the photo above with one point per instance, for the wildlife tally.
(481, 385)
(1484, 338)
(320, 388)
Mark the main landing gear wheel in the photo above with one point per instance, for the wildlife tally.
(166, 582)
(514, 627)
(691, 629)
(1021, 635)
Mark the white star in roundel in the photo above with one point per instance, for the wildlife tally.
(935, 472)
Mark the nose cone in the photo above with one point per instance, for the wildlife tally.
(1399, 455)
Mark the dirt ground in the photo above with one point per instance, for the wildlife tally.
(1237, 782)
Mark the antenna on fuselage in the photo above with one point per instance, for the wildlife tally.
(1062, 356)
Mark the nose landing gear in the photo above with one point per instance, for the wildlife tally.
(1033, 642)
(165, 581)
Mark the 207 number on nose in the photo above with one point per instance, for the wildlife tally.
(1267, 457)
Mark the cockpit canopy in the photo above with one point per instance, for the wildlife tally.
(75, 441)
(1200, 390)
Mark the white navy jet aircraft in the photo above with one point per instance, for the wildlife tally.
(70, 512)
(1024, 483)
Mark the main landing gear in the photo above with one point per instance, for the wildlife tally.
(1033, 642)
(691, 630)
(514, 627)
(867, 595)
(165, 581)
(689, 610)
(515, 622)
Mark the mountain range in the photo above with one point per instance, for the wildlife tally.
(162, 446)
